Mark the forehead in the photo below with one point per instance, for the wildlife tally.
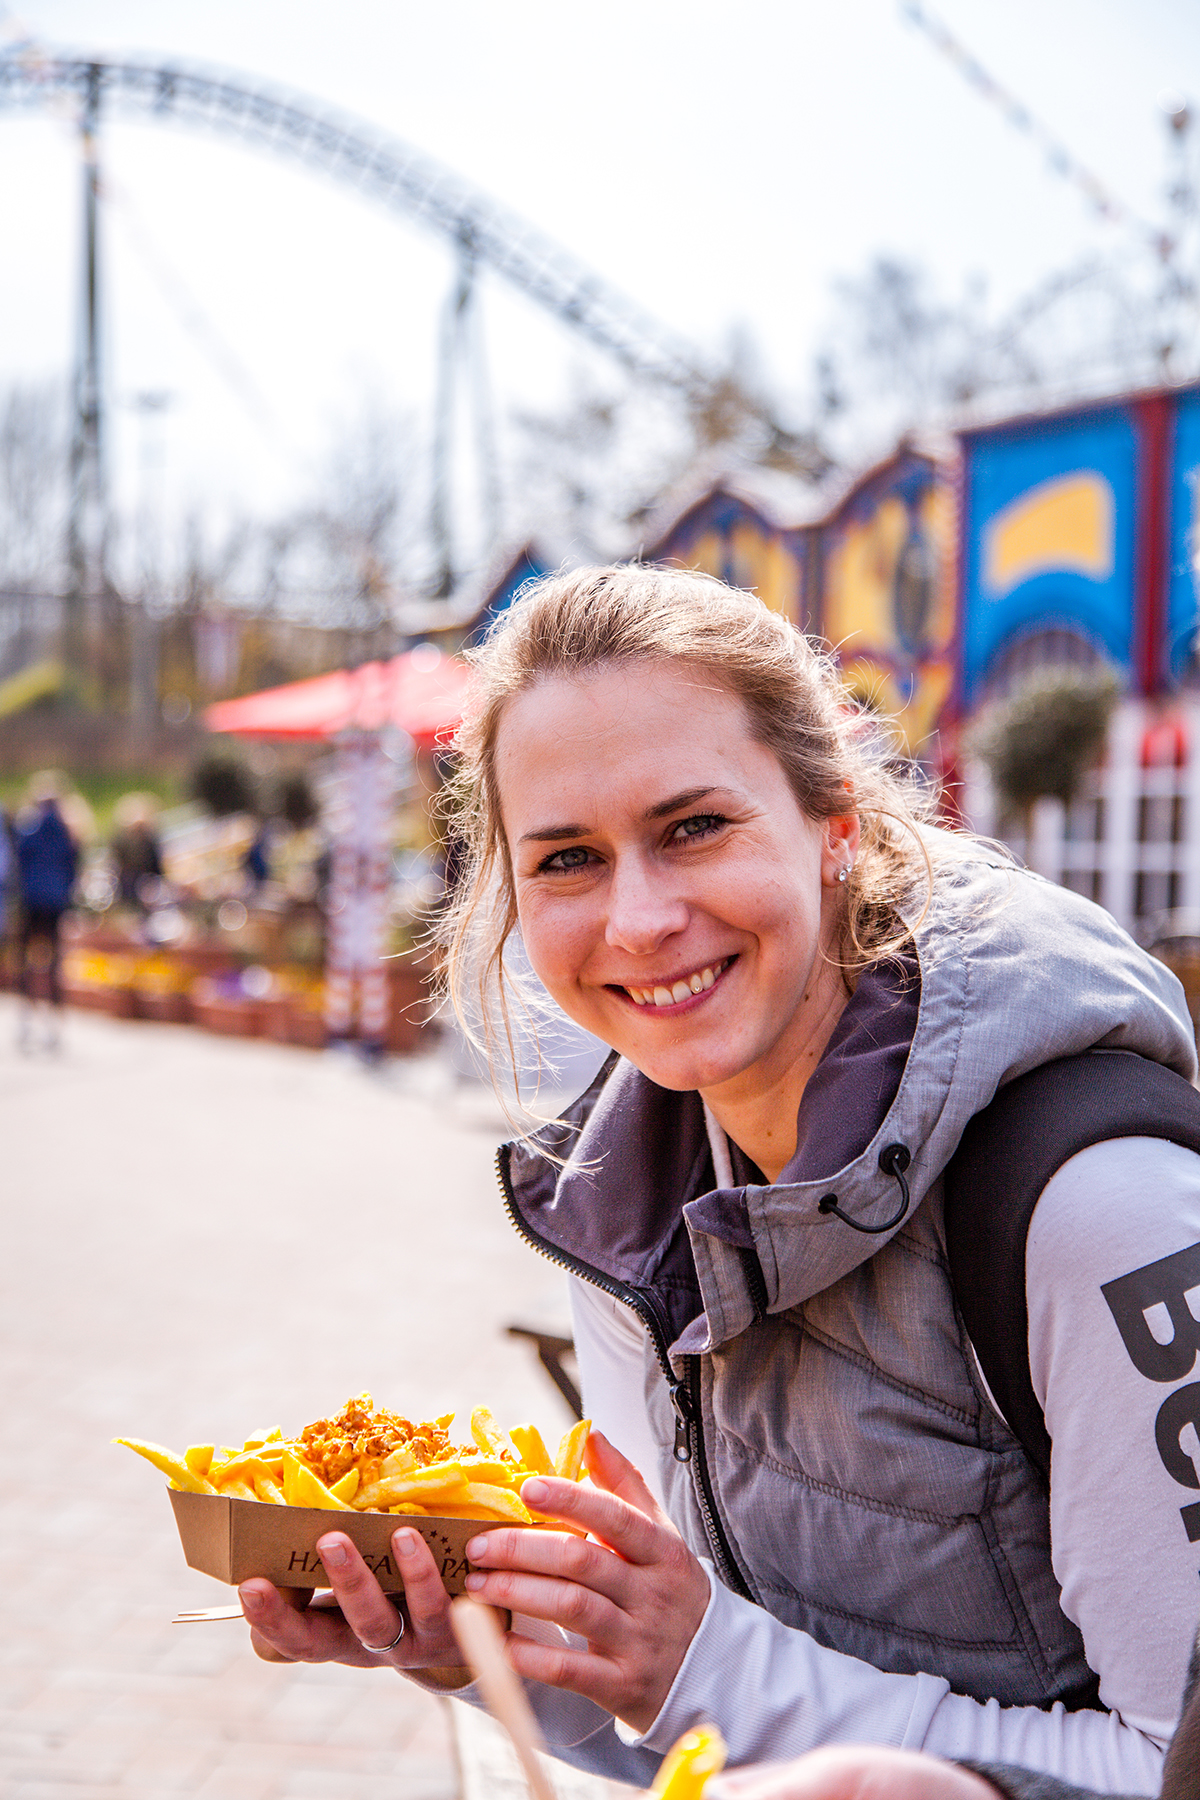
(623, 731)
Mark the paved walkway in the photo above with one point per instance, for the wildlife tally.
(202, 1236)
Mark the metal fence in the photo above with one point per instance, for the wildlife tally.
(1131, 839)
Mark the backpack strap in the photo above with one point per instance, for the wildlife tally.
(1005, 1157)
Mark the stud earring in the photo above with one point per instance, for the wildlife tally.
(845, 872)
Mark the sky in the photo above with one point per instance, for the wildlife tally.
(722, 165)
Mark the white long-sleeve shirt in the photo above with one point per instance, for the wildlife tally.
(1120, 1549)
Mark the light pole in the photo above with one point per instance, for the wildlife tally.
(150, 407)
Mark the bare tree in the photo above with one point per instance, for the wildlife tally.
(899, 353)
(589, 472)
(581, 469)
(342, 556)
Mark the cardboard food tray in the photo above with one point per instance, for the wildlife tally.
(234, 1539)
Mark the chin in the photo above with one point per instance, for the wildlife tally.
(683, 1075)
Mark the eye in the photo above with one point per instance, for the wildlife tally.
(700, 825)
(565, 862)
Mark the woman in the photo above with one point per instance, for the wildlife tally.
(807, 1519)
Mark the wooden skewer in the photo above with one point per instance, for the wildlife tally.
(205, 1613)
(482, 1644)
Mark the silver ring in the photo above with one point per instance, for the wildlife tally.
(385, 1649)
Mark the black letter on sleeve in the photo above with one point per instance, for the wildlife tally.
(1177, 1410)
(1129, 1299)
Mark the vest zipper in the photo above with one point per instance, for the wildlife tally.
(684, 1393)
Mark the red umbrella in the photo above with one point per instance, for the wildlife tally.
(421, 691)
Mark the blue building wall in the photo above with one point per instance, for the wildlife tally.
(1049, 536)
(1183, 574)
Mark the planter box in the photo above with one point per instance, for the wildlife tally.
(117, 1002)
(307, 1029)
(228, 1017)
(87, 999)
(168, 1009)
(409, 1004)
(287, 1020)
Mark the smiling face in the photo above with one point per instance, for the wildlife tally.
(673, 896)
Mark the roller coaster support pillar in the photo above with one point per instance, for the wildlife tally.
(83, 624)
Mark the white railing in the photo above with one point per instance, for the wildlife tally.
(1131, 840)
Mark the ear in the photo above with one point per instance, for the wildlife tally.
(839, 848)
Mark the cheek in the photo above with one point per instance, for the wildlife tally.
(780, 902)
(556, 939)
(789, 931)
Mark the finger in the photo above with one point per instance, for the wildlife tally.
(279, 1633)
(625, 1528)
(371, 1616)
(617, 1475)
(575, 1608)
(557, 1554)
(374, 1617)
(576, 1671)
(298, 1598)
(425, 1598)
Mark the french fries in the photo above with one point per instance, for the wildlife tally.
(175, 1467)
(369, 1460)
(689, 1763)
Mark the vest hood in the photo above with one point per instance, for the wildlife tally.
(1006, 972)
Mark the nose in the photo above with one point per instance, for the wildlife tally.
(642, 910)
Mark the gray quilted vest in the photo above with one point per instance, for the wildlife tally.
(845, 1469)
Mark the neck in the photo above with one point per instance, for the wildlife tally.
(760, 1114)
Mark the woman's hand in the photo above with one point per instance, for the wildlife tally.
(279, 1633)
(853, 1772)
(637, 1595)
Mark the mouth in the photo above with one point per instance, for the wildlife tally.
(678, 993)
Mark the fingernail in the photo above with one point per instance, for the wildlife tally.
(477, 1548)
(475, 1582)
(251, 1599)
(333, 1554)
(534, 1493)
(406, 1542)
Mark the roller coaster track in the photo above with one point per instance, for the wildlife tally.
(405, 181)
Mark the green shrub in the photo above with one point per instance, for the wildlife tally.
(295, 800)
(1046, 735)
(223, 784)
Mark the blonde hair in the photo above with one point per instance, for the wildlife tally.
(834, 754)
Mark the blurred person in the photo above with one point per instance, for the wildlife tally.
(47, 862)
(809, 1520)
(7, 868)
(256, 863)
(136, 851)
(8, 906)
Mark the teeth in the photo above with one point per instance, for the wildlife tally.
(682, 990)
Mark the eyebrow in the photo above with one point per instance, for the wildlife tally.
(554, 834)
